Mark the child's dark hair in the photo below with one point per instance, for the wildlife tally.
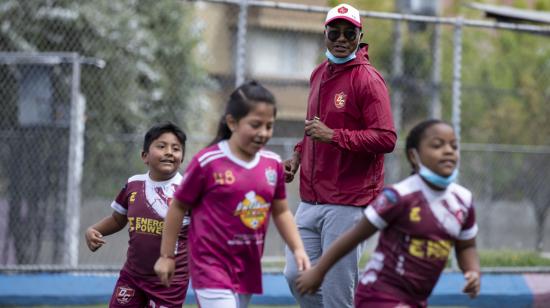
(240, 103)
(416, 133)
(156, 131)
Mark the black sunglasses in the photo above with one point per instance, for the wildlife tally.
(349, 34)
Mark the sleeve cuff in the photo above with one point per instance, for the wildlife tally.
(336, 136)
(119, 208)
(298, 147)
(468, 234)
(374, 218)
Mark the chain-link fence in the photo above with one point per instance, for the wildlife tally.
(42, 138)
(178, 61)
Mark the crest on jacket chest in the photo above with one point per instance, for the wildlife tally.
(340, 100)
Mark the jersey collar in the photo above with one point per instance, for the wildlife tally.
(224, 147)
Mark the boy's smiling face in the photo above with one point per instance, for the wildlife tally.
(164, 157)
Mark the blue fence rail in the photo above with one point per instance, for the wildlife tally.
(57, 289)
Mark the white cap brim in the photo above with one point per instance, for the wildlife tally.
(353, 21)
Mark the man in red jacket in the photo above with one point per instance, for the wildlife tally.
(348, 129)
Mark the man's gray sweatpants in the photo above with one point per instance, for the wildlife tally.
(319, 226)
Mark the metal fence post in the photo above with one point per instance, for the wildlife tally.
(241, 43)
(457, 66)
(435, 105)
(76, 160)
(394, 164)
(397, 74)
(457, 75)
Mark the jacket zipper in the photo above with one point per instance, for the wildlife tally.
(316, 201)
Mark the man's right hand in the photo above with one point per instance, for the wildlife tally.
(291, 166)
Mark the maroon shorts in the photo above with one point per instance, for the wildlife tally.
(367, 297)
(135, 292)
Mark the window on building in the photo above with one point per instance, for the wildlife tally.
(279, 54)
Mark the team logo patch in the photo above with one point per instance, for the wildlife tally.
(340, 100)
(252, 210)
(342, 10)
(133, 197)
(414, 215)
(124, 294)
(271, 176)
(379, 203)
(390, 195)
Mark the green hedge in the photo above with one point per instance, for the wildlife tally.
(499, 258)
(510, 258)
(488, 258)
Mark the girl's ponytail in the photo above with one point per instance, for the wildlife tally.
(223, 132)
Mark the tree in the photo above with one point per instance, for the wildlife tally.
(150, 76)
(505, 95)
(509, 105)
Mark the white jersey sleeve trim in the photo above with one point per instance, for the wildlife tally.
(118, 208)
(208, 154)
(211, 158)
(272, 155)
(374, 218)
(138, 177)
(468, 234)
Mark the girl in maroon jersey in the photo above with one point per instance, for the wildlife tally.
(420, 219)
(231, 188)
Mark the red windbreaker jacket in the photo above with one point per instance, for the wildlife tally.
(352, 99)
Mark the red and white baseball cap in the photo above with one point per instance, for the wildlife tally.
(346, 12)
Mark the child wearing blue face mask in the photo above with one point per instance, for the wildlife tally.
(420, 219)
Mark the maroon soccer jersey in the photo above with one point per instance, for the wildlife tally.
(231, 203)
(145, 203)
(418, 226)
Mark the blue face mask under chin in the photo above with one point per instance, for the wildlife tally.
(337, 60)
(434, 178)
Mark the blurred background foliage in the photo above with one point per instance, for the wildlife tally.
(496, 60)
(151, 74)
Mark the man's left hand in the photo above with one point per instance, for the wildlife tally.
(318, 131)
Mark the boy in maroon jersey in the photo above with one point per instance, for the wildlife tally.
(420, 219)
(143, 202)
(232, 187)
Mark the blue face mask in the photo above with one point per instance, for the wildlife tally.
(434, 178)
(337, 60)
